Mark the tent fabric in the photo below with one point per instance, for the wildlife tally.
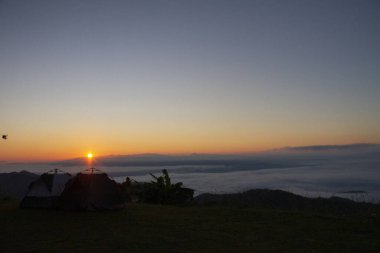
(59, 183)
(38, 189)
(45, 191)
(91, 191)
(48, 178)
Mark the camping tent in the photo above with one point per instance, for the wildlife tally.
(45, 191)
(91, 190)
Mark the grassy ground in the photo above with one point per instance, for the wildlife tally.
(154, 228)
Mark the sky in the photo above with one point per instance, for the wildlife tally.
(177, 77)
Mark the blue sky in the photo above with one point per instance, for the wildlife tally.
(186, 76)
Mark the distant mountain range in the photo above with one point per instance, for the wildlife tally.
(361, 147)
(263, 159)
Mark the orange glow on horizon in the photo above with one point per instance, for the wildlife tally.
(51, 147)
(89, 159)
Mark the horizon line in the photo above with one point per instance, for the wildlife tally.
(313, 148)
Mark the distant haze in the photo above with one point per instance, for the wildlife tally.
(350, 171)
(182, 77)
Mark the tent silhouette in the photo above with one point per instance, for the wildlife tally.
(91, 189)
(46, 190)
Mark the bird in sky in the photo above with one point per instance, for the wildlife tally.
(4, 136)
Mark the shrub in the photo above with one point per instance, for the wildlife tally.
(162, 191)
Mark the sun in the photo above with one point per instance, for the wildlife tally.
(89, 155)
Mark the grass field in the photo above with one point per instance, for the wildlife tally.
(155, 228)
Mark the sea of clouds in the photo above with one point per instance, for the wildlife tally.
(325, 171)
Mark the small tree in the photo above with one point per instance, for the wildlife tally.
(162, 191)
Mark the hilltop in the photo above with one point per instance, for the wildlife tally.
(282, 200)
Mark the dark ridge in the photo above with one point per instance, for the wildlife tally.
(278, 199)
(15, 184)
(348, 147)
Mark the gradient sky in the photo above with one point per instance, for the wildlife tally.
(122, 77)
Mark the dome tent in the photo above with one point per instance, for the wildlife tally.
(46, 190)
(90, 190)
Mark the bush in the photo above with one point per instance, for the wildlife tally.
(162, 191)
(158, 191)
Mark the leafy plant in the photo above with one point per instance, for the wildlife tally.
(162, 191)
